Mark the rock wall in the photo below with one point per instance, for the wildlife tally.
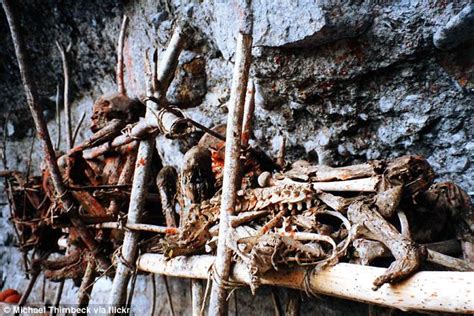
(343, 81)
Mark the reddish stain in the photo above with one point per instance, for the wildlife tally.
(171, 231)
(141, 162)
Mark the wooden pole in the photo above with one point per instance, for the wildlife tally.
(43, 135)
(231, 182)
(118, 292)
(427, 291)
(197, 296)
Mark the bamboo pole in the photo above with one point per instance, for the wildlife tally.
(231, 181)
(118, 292)
(43, 135)
(427, 291)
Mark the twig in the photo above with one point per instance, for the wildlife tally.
(43, 286)
(78, 127)
(58, 120)
(168, 295)
(43, 135)
(132, 289)
(87, 284)
(120, 63)
(249, 109)
(28, 167)
(29, 287)
(98, 187)
(141, 174)
(57, 296)
(218, 304)
(35, 272)
(67, 112)
(153, 294)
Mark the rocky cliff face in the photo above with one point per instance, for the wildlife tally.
(342, 82)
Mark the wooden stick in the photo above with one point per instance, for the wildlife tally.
(197, 296)
(139, 130)
(139, 190)
(153, 294)
(67, 112)
(231, 180)
(43, 136)
(58, 120)
(249, 109)
(78, 127)
(120, 63)
(87, 284)
(168, 295)
(33, 277)
(57, 296)
(426, 291)
(449, 262)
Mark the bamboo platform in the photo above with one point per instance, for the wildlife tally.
(427, 291)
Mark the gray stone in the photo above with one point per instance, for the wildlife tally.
(285, 23)
(458, 30)
(366, 73)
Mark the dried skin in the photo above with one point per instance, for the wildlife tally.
(71, 266)
(268, 251)
(115, 106)
(166, 182)
(408, 256)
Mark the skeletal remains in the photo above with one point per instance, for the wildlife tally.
(302, 215)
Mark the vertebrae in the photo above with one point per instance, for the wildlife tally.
(194, 232)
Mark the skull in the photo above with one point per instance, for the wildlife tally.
(115, 106)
